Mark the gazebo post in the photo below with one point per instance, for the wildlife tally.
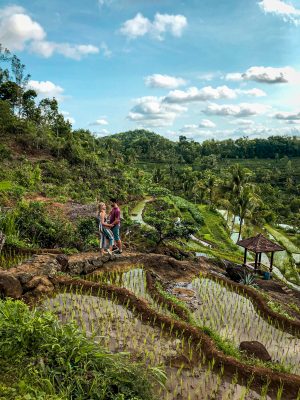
(255, 265)
(245, 256)
(259, 259)
(271, 261)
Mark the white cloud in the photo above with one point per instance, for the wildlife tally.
(284, 10)
(267, 75)
(46, 88)
(242, 122)
(152, 111)
(193, 94)
(252, 92)
(162, 23)
(207, 123)
(102, 132)
(165, 22)
(209, 76)
(265, 131)
(192, 131)
(18, 31)
(67, 116)
(17, 28)
(164, 81)
(76, 52)
(101, 122)
(189, 129)
(138, 26)
(288, 116)
(235, 110)
(257, 131)
(234, 76)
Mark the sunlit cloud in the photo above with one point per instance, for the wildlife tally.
(164, 81)
(266, 75)
(162, 23)
(46, 88)
(236, 110)
(152, 111)
(282, 9)
(18, 31)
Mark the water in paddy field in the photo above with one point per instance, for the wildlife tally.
(134, 280)
(136, 213)
(234, 317)
(288, 227)
(117, 329)
(280, 258)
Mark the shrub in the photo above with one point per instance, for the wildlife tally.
(38, 226)
(5, 152)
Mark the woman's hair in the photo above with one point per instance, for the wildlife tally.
(100, 206)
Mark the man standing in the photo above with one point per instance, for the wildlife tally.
(115, 220)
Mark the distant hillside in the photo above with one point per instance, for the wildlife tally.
(143, 145)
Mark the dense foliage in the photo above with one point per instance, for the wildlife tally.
(147, 146)
(43, 158)
(163, 215)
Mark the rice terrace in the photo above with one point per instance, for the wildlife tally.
(149, 200)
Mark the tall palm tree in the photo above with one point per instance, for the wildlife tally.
(237, 179)
(247, 202)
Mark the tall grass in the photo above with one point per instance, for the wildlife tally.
(57, 360)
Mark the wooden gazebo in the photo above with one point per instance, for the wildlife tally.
(259, 244)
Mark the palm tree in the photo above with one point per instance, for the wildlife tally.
(238, 178)
(247, 202)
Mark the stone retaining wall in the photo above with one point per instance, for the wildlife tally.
(34, 277)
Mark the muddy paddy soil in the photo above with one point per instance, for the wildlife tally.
(116, 328)
(119, 328)
(235, 318)
(231, 315)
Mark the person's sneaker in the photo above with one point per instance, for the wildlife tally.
(118, 251)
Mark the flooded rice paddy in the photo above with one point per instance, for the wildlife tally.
(118, 329)
(134, 280)
(234, 317)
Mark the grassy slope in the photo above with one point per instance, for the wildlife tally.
(212, 228)
(283, 239)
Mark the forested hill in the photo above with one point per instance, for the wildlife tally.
(41, 154)
(148, 146)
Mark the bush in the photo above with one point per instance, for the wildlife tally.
(36, 225)
(87, 228)
(10, 191)
(5, 152)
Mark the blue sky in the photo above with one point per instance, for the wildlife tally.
(201, 68)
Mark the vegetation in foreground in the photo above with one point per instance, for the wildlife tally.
(42, 359)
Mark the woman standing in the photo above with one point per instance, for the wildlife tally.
(104, 230)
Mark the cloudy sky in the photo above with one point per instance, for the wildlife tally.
(200, 68)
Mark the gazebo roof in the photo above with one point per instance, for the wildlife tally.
(260, 244)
